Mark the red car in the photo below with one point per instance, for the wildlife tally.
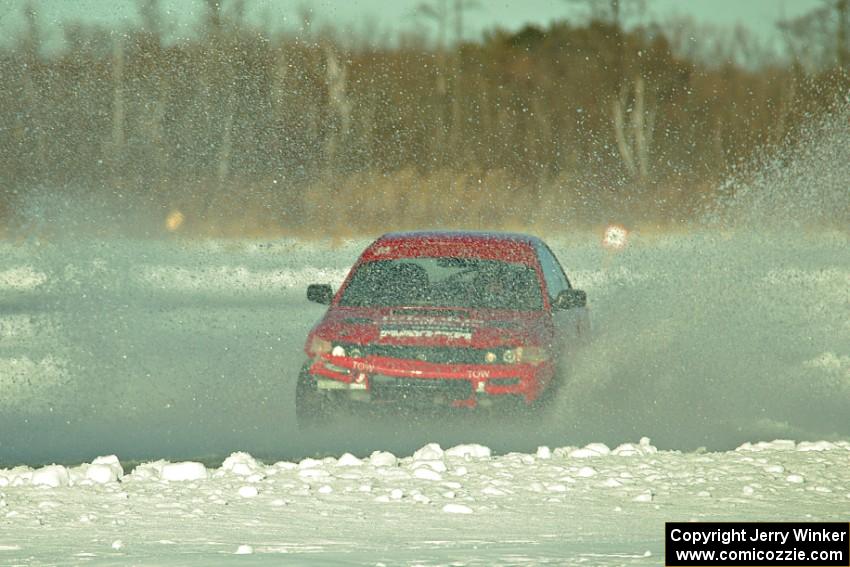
(454, 319)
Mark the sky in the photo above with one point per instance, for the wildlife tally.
(387, 17)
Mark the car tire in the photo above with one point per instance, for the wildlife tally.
(548, 397)
(313, 409)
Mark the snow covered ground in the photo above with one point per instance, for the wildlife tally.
(460, 506)
(188, 352)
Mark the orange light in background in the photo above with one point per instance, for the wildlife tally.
(174, 220)
(616, 237)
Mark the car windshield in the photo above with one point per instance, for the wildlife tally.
(444, 282)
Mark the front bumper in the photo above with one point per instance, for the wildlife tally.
(387, 380)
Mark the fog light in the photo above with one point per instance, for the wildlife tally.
(533, 354)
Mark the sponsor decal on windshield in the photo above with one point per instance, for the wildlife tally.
(411, 326)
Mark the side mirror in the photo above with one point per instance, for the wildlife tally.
(320, 293)
(570, 298)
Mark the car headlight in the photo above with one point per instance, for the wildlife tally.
(318, 346)
(532, 354)
(338, 350)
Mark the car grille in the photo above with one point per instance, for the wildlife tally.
(437, 355)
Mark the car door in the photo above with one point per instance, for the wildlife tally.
(569, 323)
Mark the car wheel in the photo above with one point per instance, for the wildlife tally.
(313, 409)
(548, 397)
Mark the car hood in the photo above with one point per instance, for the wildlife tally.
(434, 326)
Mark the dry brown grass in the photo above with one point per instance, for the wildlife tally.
(371, 203)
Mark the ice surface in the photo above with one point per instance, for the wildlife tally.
(696, 343)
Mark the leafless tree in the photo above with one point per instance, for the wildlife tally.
(819, 39)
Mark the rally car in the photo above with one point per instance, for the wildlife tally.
(442, 319)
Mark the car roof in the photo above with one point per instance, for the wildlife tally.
(435, 243)
(461, 235)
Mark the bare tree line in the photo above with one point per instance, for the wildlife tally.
(576, 122)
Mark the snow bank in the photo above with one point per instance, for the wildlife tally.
(592, 450)
(644, 447)
(183, 471)
(471, 451)
(173, 472)
(52, 476)
(102, 470)
(435, 497)
(241, 464)
(349, 460)
(430, 452)
(382, 459)
(789, 445)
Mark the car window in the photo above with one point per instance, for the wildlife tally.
(444, 282)
(553, 273)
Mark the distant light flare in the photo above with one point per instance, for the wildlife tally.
(174, 221)
(616, 237)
